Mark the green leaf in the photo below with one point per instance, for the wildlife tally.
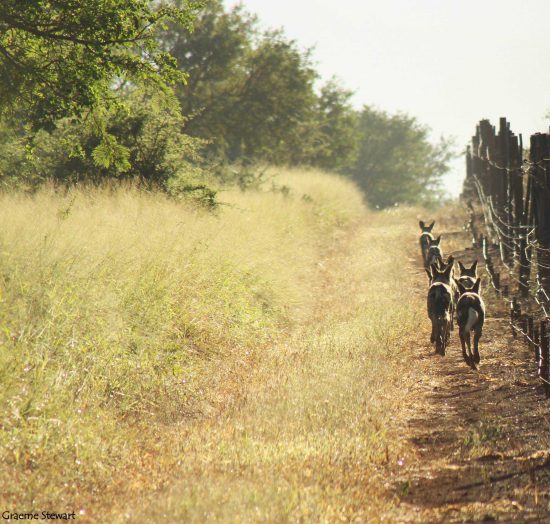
(110, 154)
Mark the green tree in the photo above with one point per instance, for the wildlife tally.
(212, 56)
(274, 96)
(142, 141)
(248, 92)
(15, 160)
(61, 57)
(337, 135)
(396, 161)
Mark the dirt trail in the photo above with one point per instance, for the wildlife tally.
(481, 438)
(307, 438)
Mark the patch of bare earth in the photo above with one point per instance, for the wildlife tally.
(480, 439)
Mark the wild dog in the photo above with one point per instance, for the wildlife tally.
(444, 272)
(425, 238)
(440, 306)
(435, 253)
(470, 317)
(440, 266)
(467, 277)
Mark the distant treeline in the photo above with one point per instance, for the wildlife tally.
(171, 96)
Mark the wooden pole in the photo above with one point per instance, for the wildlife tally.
(514, 315)
(530, 327)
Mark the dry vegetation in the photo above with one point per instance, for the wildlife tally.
(248, 365)
(316, 433)
(479, 440)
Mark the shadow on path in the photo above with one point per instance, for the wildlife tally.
(482, 438)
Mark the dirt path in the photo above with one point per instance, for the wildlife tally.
(312, 430)
(330, 425)
(481, 438)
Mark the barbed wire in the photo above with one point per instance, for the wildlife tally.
(514, 246)
(511, 232)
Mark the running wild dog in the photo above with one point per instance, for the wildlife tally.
(444, 272)
(440, 306)
(467, 276)
(440, 266)
(470, 317)
(435, 253)
(425, 238)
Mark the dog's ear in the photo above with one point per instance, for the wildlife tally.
(448, 269)
(450, 260)
(476, 287)
(460, 286)
(431, 226)
(437, 241)
(474, 267)
(461, 267)
(421, 224)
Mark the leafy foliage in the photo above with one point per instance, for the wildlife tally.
(253, 95)
(396, 162)
(337, 131)
(58, 58)
(248, 91)
(140, 140)
(104, 79)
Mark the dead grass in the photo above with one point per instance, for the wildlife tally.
(162, 363)
(316, 435)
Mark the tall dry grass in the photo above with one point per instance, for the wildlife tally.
(127, 318)
(321, 429)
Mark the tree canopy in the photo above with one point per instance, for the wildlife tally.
(396, 161)
(125, 89)
(248, 91)
(253, 95)
(60, 57)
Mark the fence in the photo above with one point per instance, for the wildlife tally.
(509, 201)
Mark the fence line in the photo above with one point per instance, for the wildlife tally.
(509, 201)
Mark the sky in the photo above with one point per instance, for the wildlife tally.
(450, 63)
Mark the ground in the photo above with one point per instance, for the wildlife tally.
(350, 421)
(283, 373)
(481, 438)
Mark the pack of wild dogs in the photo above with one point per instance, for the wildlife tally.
(452, 295)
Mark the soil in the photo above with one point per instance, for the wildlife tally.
(480, 439)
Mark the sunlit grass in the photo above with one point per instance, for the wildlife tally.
(126, 316)
(320, 429)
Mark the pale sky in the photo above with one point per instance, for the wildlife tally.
(449, 63)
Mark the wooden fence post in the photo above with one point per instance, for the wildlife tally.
(539, 156)
(524, 328)
(525, 249)
(515, 312)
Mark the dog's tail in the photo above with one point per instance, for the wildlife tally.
(472, 319)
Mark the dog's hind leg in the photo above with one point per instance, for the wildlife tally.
(470, 354)
(463, 344)
(477, 335)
